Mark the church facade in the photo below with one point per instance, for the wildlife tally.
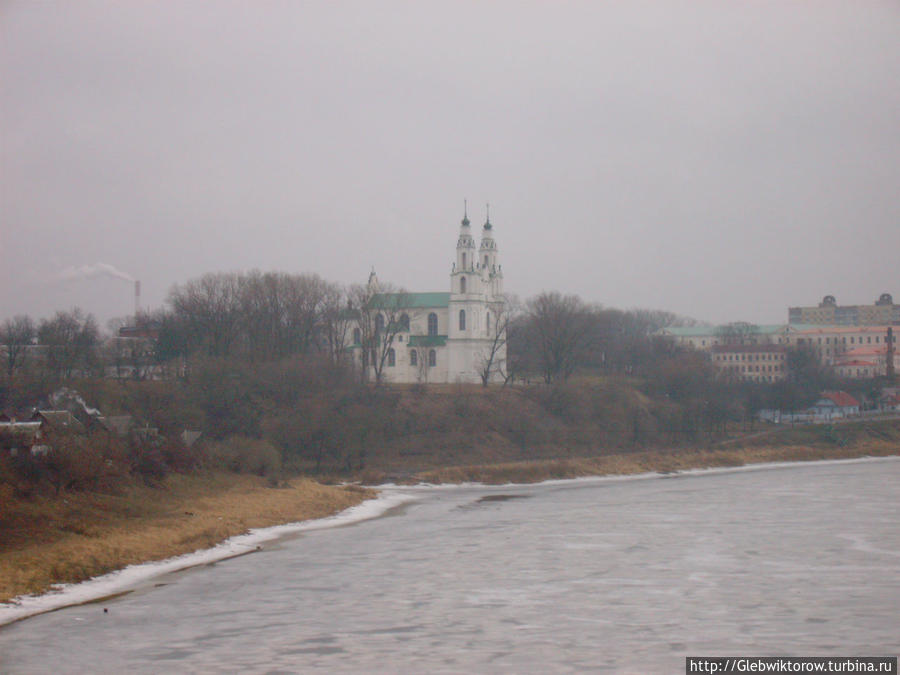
(446, 337)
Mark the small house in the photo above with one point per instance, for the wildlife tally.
(16, 437)
(120, 425)
(890, 400)
(835, 405)
(58, 421)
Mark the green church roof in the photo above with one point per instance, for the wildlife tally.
(411, 300)
(427, 340)
(707, 330)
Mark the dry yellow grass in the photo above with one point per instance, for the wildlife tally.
(642, 462)
(47, 541)
(81, 535)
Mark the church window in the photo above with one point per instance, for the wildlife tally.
(464, 261)
(413, 358)
(487, 323)
(404, 322)
(462, 284)
(391, 358)
(432, 324)
(462, 319)
(432, 358)
(485, 261)
(379, 323)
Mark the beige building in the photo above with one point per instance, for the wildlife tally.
(758, 353)
(705, 337)
(864, 362)
(882, 312)
(754, 363)
(832, 343)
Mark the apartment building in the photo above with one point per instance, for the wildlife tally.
(828, 313)
(754, 363)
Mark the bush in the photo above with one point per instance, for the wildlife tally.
(224, 391)
(178, 457)
(246, 455)
(148, 462)
(79, 463)
(24, 472)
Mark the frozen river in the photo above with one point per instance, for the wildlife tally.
(600, 575)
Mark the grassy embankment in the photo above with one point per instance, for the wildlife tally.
(852, 439)
(647, 461)
(522, 436)
(48, 540)
(444, 434)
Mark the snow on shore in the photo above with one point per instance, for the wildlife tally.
(391, 496)
(132, 576)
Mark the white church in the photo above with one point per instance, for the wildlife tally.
(450, 337)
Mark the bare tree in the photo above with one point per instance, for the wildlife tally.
(563, 329)
(493, 359)
(16, 334)
(115, 352)
(304, 299)
(210, 309)
(422, 364)
(263, 314)
(378, 311)
(337, 323)
(280, 313)
(71, 339)
(738, 333)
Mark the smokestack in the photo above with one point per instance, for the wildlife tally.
(889, 371)
(137, 299)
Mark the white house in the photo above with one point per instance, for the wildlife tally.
(448, 336)
(835, 404)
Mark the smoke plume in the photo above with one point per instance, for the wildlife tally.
(99, 269)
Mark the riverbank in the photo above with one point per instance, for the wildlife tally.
(659, 461)
(49, 541)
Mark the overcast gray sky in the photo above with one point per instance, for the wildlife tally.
(722, 160)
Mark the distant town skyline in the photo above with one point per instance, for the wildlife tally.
(723, 161)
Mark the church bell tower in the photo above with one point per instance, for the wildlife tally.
(489, 265)
(466, 255)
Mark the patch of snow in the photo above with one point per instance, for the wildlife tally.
(65, 595)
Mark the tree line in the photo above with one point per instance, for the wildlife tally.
(258, 317)
(268, 376)
(554, 336)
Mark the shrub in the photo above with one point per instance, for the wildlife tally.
(79, 463)
(178, 457)
(148, 462)
(246, 455)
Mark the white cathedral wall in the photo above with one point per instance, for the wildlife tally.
(460, 361)
(404, 372)
(468, 357)
(464, 355)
